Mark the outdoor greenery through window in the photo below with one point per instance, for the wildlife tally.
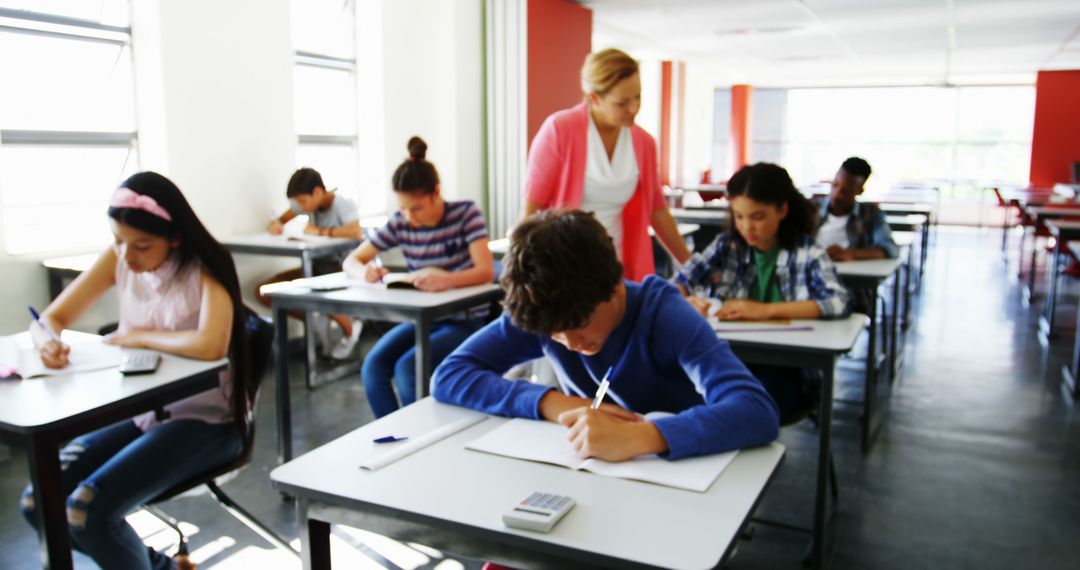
(67, 99)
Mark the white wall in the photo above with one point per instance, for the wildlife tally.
(433, 86)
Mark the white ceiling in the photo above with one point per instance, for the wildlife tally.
(847, 42)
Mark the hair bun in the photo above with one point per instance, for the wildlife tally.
(417, 148)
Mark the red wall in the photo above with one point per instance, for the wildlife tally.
(560, 36)
(1055, 142)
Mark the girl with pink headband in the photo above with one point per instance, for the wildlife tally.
(178, 293)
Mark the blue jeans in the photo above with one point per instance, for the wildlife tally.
(392, 361)
(111, 472)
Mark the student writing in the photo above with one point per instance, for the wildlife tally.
(566, 299)
(178, 293)
(448, 237)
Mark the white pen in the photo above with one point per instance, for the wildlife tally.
(378, 263)
(601, 391)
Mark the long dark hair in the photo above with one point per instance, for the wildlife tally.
(196, 244)
(416, 174)
(771, 184)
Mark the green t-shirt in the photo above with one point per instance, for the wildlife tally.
(765, 288)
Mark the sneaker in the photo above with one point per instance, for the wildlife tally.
(344, 348)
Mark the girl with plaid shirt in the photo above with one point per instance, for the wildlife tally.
(768, 268)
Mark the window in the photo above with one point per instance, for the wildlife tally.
(957, 139)
(67, 121)
(324, 88)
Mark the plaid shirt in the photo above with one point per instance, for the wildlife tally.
(867, 227)
(726, 268)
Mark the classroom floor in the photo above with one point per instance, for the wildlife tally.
(978, 464)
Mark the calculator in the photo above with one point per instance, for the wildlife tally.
(139, 362)
(538, 512)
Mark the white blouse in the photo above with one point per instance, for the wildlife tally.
(609, 184)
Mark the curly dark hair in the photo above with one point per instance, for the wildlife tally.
(770, 184)
(560, 267)
(857, 167)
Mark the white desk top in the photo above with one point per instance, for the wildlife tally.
(72, 262)
(628, 520)
(42, 401)
(903, 238)
(836, 335)
(873, 268)
(716, 214)
(1058, 226)
(1054, 212)
(286, 245)
(372, 294)
(907, 219)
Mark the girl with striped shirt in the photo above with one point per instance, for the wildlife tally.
(449, 241)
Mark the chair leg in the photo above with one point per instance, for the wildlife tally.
(171, 523)
(248, 519)
(833, 481)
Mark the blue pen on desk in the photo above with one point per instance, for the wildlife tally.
(45, 327)
(389, 439)
(602, 390)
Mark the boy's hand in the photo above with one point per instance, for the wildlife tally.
(743, 310)
(554, 403)
(837, 253)
(603, 435)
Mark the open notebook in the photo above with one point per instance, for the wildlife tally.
(18, 357)
(405, 280)
(546, 442)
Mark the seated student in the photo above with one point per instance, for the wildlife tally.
(849, 229)
(449, 237)
(768, 268)
(566, 299)
(329, 215)
(178, 293)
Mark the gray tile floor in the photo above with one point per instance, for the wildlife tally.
(978, 464)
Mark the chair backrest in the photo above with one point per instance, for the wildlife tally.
(260, 342)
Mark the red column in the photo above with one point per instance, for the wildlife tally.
(680, 140)
(741, 105)
(665, 122)
(1055, 142)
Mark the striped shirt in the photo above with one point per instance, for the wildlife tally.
(445, 245)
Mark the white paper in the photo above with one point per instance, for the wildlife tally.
(20, 355)
(546, 442)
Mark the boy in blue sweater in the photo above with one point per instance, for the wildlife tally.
(566, 300)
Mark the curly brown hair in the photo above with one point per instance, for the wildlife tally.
(561, 265)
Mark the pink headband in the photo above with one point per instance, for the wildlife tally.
(127, 198)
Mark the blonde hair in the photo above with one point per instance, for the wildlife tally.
(604, 68)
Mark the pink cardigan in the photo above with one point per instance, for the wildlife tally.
(556, 179)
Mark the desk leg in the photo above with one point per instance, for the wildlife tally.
(281, 384)
(924, 250)
(1005, 231)
(1034, 261)
(1069, 373)
(894, 323)
(314, 539)
(423, 356)
(1046, 323)
(308, 268)
(1020, 257)
(817, 555)
(871, 372)
(49, 504)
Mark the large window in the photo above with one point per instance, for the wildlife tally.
(324, 87)
(956, 139)
(67, 121)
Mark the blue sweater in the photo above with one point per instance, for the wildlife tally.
(665, 356)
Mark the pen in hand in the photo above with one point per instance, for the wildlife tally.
(45, 327)
(601, 391)
(379, 264)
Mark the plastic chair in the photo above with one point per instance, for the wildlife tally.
(260, 342)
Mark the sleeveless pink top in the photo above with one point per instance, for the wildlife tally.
(168, 299)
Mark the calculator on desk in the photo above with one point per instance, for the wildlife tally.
(538, 512)
(139, 362)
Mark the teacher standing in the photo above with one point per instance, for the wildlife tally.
(593, 157)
